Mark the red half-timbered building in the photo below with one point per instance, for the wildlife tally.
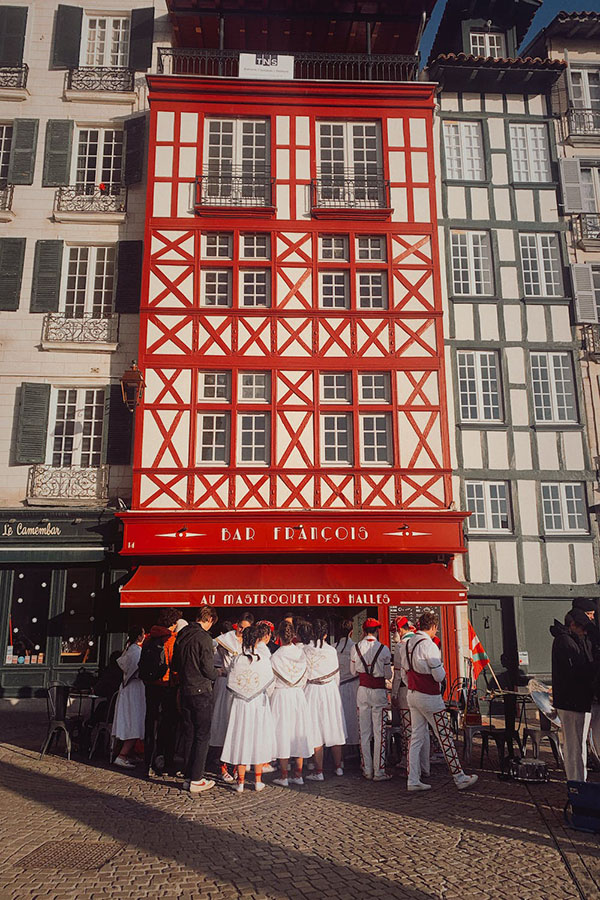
(291, 447)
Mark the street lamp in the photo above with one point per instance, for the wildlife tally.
(132, 386)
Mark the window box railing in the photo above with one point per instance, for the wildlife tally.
(91, 199)
(236, 187)
(100, 78)
(350, 191)
(14, 76)
(591, 340)
(51, 484)
(6, 197)
(581, 122)
(587, 226)
(320, 66)
(59, 328)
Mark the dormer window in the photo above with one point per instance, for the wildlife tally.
(488, 43)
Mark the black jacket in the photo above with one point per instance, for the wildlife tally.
(572, 670)
(193, 660)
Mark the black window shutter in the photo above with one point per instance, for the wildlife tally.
(129, 276)
(22, 151)
(67, 37)
(118, 427)
(140, 40)
(32, 427)
(45, 286)
(135, 133)
(57, 152)
(13, 21)
(12, 253)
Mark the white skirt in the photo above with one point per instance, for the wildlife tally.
(290, 717)
(325, 715)
(222, 700)
(130, 711)
(348, 692)
(250, 738)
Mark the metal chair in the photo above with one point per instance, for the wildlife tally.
(103, 730)
(57, 697)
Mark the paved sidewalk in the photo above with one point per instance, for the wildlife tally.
(73, 830)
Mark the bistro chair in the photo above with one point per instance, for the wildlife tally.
(103, 730)
(57, 697)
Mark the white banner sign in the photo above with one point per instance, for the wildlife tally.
(266, 65)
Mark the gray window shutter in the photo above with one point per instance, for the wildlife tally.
(129, 276)
(12, 253)
(141, 37)
(32, 427)
(13, 22)
(67, 37)
(586, 308)
(22, 151)
(135, 133)
(118, 428)
(57, 152)
(45, 287)
(570, 182)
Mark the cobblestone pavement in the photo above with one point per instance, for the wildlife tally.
(72, 830)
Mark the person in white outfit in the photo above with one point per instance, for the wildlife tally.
(288, 705)
(327, 727)
(130, 709)
(250, 738)
(400, 710)
(372, 662)
(348, 682)
(423, 672)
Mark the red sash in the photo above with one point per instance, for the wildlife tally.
(367, 679)
(424, 684)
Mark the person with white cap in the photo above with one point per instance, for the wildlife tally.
(372, 662)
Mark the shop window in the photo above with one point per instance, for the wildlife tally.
(79, 637)
(28, 617)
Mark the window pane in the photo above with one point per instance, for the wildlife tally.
(482, 267)
(371, 247)
(6, 132)
(475, 505)
(253, 437)
(28, 618)
(214, 438)
(452, 149)
(335, 387)
(214, 386)
(333, 246)
(79, 621)
(218, 246)
(375, 387)
(467, 380)
(372, 290)
(490, 393)
(217, 288)
(256, 287)
(336, 439)
(564, 387)
(551, 507)
(254, 386)
(376, 439)
(334, 290)
(460, 263)
(498, 503)
(575, 507)
(255, 246)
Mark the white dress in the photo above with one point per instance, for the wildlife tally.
(250, 737)
(325, 712)
(348, 689)
(130, 708)
(227, 648)
(288, 702)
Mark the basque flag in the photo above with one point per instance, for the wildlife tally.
(478, 654)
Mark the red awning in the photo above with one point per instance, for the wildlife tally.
(293, 585)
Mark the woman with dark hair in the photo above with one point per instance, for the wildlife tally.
(250, 737)
(130, 708)
(325, 712)
(288, 705)
(348, 681)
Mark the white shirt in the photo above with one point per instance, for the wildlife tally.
(368, 648)
(426, 658)
(398, 674)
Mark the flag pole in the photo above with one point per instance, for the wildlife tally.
(489, 665)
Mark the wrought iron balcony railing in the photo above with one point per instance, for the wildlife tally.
(583, 121)
(587, 226)
(350, 190)
(90, 199)
(236, 186)
(69, 484)
(62, 328)
(14, 76)
(6, 196)
(327, 66)
(591, 340)
(100, 78)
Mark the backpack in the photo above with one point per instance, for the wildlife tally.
(153, 664)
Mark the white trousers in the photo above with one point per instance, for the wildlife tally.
(575, 727)
(371, 704)
(595, 726)
(425, 710)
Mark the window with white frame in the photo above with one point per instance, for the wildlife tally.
(99, 160)
(585, 88)
(370, 248)
(564, 506)
(530, 152)
(216, 287)
(540, 262)
(371, 290)
(590, 196)
(479, 386)
(237, 164)
(596, 283)
(334, 247)
(214, 386)
(488, 503)
(254, 387)
(553, 387)
(213, 438)
(350, 163)
(488, 43)
(218, 245)
(336, 438)
(471, 259)
(77, 425)
(89, 282)
(105, 41)
(255, 287)
(374, 387)
(255, 246)
(336, 387)
(375, 435)
(6, 135)
(253, 438)
(463, 146)
(335, 290)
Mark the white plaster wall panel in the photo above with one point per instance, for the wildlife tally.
(547, 449)
(525, 208)
(254, 336)
(303, 201)
(509, 283)
(561, 323)
(536, 323)
(488, 322)
(207, 343)
(419, 165)
(185, 200)
(158, 340)
(537, 105)
(526, 491)
(336, 344)
(411, 455)
(302, 131)
(292, 425)
(399, 204)
(332, 498)
(416, 295)
(162, 199)
(283, 164)
(408, 345)
(295, 492)
(515, 365)
(303, 164)
(395, 131)
(377, 490)
(471, 447)
(188, 165)
(294, 388)
(252, 491)
(425, 495)
(422, 211)
(165, 125)
(283, 201)
(471, 102)
(282, 129)
(163, 164)
(502, 204)
(157, 451)
(300, 253)
(506, 244)
(175, 390)
(479, 562)
(497, 446)
(515, 103)
(211, 491)
(572, 442)
(532, 562)
(512, 323)
(179, 248)
(449, 102)
(480, 208)
(159, 291)
(559, 563)
(188, 128)
(499, 168)
(427, 393)
(585, 569)
(463, 322)
(418, 134)
(506, 561)
(294, 338)
(496, 132)
(548, 206)
(372, 337)
(397, 160)
(156, 484)
(294, 288)
(518, 404)
(457, 206)
(411, 249)
(522, 445)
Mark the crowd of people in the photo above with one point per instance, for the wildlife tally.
(255, 697)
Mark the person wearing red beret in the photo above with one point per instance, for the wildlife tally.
(372, 662)
(404, 629)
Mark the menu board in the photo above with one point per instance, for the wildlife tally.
(413, 612)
